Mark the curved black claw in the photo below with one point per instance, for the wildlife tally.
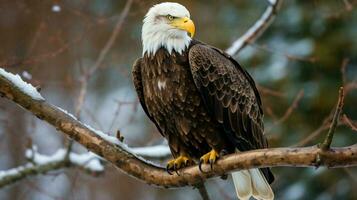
(211, 162)
(168, 170)
(177, 164)
(176, 168)
(209, 158)
(200, 165)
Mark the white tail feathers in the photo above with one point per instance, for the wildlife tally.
(252, 183)
(243, 184)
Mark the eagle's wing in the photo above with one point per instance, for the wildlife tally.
(230, 96)
(136, 73)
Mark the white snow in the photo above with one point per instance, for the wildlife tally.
(272, 1)
(66, 112)
(56, 8)
(257, 28)
(152, 151)
(86, 160)
(26, 75)
(14, 171)
(22, 85)
(106, 137)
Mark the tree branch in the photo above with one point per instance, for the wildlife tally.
(257, 29)
(42, 164)
(121, 156)
(328, 140)
(203, 191)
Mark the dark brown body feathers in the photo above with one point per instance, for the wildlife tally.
(200, 100)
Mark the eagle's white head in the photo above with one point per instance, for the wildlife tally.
(167, 25)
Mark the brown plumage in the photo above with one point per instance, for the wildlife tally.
(201, 100)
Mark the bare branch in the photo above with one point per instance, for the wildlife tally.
(349, 122)
(328, 140)
(203, 191)
(117, 153)
(289, 111)
(113, 36)
(108, 45)
(257, 29)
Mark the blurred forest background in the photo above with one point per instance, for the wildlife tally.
(299, 63)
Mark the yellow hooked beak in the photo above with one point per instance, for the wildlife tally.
(185, 24)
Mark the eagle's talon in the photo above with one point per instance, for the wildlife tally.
(200, 166)
(168, 170)
(208, 158)
(211, 161)
(176, 164)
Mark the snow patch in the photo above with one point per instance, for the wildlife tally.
(86, 160)
(106, 137)
(56, 8)
(66, 112)
(26, 75)
(22, 85)
(152, 151)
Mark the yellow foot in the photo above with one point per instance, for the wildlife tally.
(178, 163)
(209, 158)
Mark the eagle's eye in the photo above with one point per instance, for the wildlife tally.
(170, 17)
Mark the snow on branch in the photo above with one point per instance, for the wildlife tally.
(88, 161)
(22, 85)
(125, 159)
(159, 151)
(42, 164)
(257, 29)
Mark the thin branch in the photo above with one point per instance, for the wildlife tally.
(313, 135)
(42, 164)
(328, 140)
(289, 111)
(108, 45)
(257, 29)
(203, 191)
(111, 149)
(113, 36)
(271, 92)
(344, 64)
(349, 122)
(292, 107)
(86, 75)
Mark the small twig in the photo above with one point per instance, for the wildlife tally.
(87, 74)
(270, 92)
(289, 111)
(203, 191)
(349, 122)
(113, 36)
(292, 107)
(343, 70)
(42, 164)
(257, 29)
(328, 140)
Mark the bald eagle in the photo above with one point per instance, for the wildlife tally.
(200, 99)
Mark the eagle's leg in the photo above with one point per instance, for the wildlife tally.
(209, 158)
(178, 163)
